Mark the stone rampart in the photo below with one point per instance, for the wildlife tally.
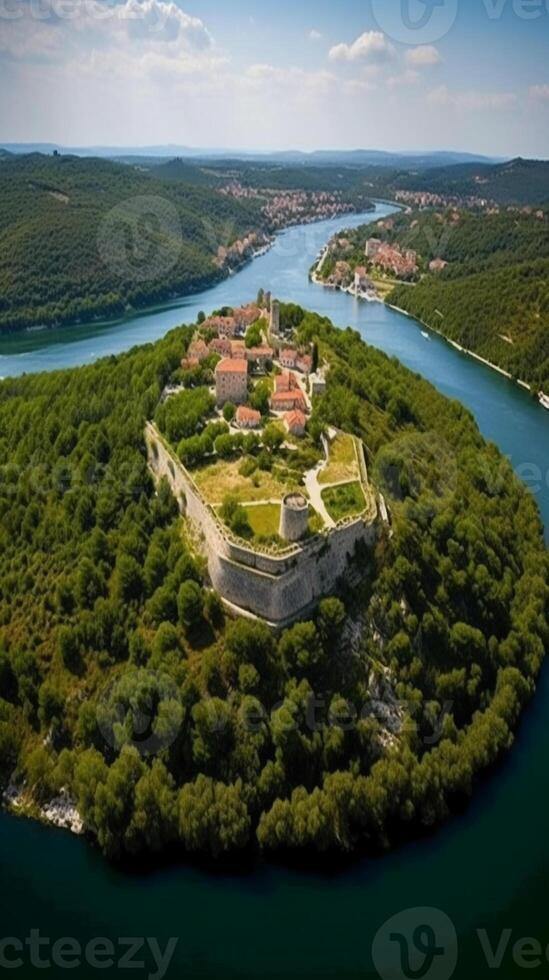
(278, 588)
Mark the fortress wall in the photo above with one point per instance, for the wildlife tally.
(278, 590)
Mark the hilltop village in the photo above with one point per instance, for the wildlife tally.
(369, 268)
(276, 509)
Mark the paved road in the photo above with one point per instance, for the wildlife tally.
(315, 493)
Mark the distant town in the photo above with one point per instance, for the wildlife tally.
(288, 207)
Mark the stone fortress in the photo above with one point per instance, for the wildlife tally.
(277, 585)
(278, 588)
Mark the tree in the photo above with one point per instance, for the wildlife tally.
(90, 583)
(229, 411)
(236, 517)
(128, 579)
(273, 436)
(154, 820)
(300, 648)
(213, 817)
(259, 399)
(331, 617)
(226, 445)
(190, 604)
(254, 336)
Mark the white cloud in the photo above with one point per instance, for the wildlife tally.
(408, 77)
(472, 101)
(153, 19)
(371, 46)
(297, 80)
(539, 92)
(314, 35)
(423, 57)
(83, 28)
(358, 86)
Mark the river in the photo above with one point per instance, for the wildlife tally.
(486, 869)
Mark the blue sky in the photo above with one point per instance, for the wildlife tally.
(394, 74)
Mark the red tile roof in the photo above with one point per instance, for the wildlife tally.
(294, 398)
(295, 419)
(286, 381)
(245, 414)
(232, 366)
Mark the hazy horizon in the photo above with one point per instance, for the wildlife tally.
(424, 74)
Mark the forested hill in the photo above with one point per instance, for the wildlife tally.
(517, 182)
(493, 297)
(86, 237)
(304, 740)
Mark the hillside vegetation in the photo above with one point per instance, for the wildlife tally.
(493, 297)
(517, 181)
(67, 254)
(122, 681)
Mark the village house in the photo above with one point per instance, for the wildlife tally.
(304, 363)
(225, 326)
(260, 356)
(288, 358)
(287, 401)
(198, 349)
(231, 381)
(295, 422)
(342, 272)
(390, 258)
(373, 246)
(246, 315)
(247, 418)
(238, 349)
(318, 384)
(221, 346)
(361, 278)
(286, 381)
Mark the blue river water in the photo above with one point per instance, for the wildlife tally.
(486, 869)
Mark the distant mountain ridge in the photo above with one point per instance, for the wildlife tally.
(358, 157)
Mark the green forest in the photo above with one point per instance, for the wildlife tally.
(493, 297)
(515, 182)
(171, 725)
(86, 238)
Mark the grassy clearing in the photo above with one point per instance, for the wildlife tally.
(344, 501)
(342, 463)
(264, 520)
(218, 480)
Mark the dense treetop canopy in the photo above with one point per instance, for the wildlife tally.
(122, 680)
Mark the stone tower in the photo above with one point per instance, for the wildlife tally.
(294, 517)
(275, 318)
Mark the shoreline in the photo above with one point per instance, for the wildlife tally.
(174, 300)
(541, 397)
